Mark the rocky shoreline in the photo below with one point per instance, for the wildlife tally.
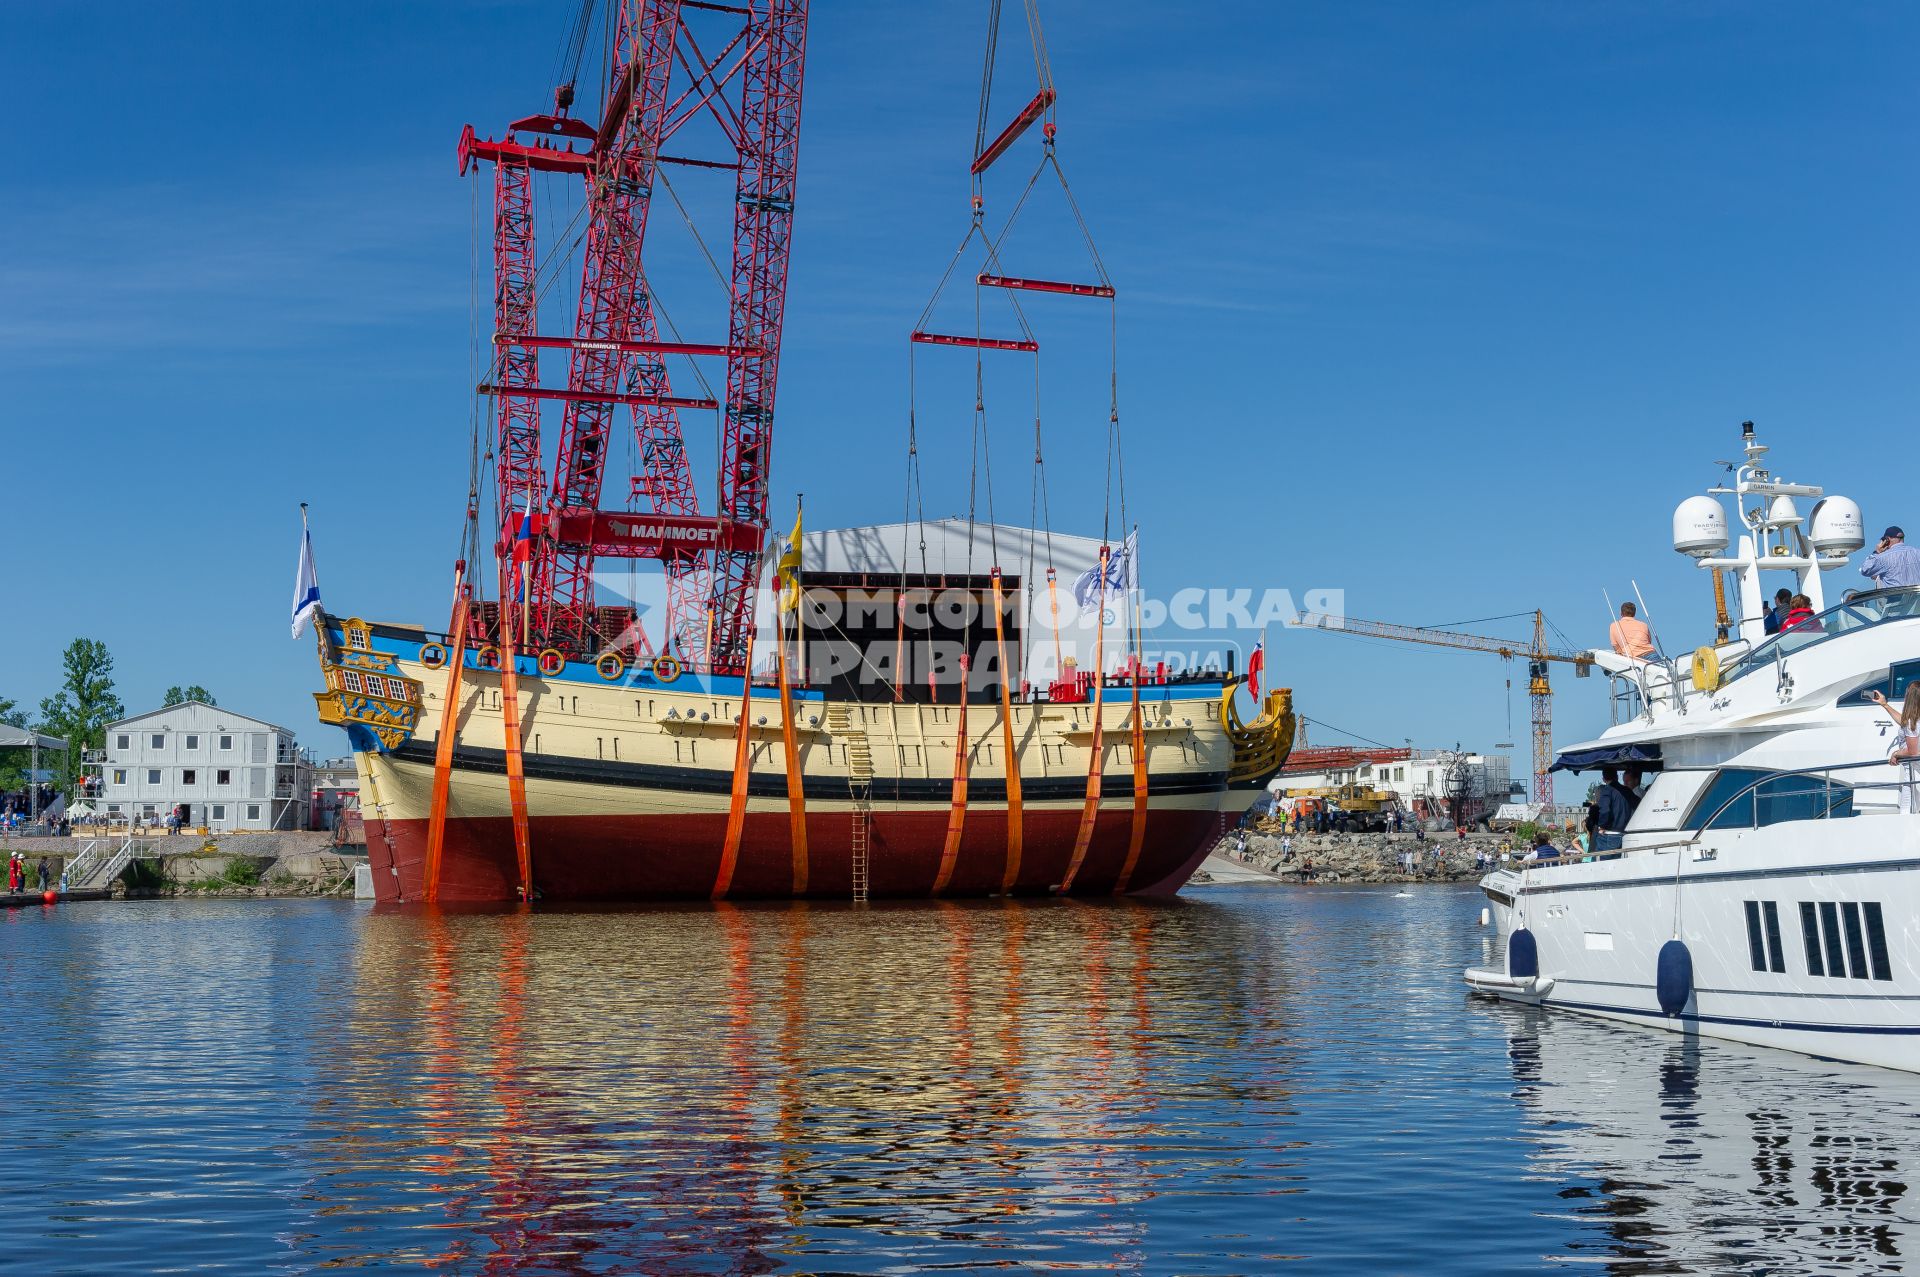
(1362, 858)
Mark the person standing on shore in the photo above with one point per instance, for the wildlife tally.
(44, 874)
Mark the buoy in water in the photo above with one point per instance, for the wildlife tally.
(49, 896)
(1486, 917)
(1673, 977)
(1523, 955)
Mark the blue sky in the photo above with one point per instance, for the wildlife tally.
(1445, 305)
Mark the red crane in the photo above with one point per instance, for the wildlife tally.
(660, 80)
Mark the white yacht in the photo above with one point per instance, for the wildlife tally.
(1767, 889)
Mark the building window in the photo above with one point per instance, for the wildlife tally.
(219, 811)
(119, 775)
(187, 776)
(158, 740)
(253, 811)
(153, 775)
(193, 742)
(226, 742)
(123, 743)
(223, 777)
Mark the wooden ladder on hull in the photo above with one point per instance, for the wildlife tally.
(859, 789)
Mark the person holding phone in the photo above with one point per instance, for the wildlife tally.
(1905, 754)
(1893, 562)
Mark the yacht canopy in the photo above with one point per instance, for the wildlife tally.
(1641, 754)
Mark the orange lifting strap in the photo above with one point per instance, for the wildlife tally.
(1090, 809)
(796, 788)
(742, 767)
(1137, 836)
(443, 745)
(516, 765)
(1016, 820)
(957, 815)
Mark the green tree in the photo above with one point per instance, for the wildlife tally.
(178, 695)
(13, 762)
(85, 703)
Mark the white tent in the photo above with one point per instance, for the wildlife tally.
(954, 547)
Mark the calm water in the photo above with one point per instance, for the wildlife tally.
(1250, 1081)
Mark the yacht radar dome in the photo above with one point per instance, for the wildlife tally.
(1835, 530)
(1782, 513)
(1700, 528)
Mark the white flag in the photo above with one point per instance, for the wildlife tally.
(1121, 574)
(306, 583)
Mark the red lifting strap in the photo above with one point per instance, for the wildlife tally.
(1011, 134)
(1047, 286)
(977, 343)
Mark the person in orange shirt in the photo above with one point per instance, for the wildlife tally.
(1630, 635)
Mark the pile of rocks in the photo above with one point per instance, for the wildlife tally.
(1369, 857)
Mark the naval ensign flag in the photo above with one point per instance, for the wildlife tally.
(306, 584)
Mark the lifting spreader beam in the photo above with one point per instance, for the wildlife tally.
(1011, 134)
(1045, 286)
(975, 343)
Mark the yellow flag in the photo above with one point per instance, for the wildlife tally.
(789, 568)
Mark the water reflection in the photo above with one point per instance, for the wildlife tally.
(1719, 1157)
(584, 1090)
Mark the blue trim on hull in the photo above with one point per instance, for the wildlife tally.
(1793, 1026)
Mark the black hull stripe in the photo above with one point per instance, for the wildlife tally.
(772, 783)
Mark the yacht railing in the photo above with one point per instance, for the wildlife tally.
(1750, 791)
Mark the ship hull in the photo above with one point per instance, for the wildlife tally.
(629, 784)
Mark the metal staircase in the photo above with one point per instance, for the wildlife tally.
(859, 789)
(99, 862)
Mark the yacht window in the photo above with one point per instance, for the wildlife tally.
(1877, 940)
(1830, 927)
(1848, 939)
(1856, 943)
(1733, 800)
(1776, 959)
(1810, 936)
(1893, 686)
(1763, 936)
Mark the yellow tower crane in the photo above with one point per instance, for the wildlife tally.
(1539, 654)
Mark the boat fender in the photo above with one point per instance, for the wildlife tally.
(1486, 916)
(433, 656)
(610, 666)
(1673, 977)
(1523, 955)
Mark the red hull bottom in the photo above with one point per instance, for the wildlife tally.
(657, 857)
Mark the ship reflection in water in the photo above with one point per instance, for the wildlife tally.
(1251, 1080)
(1718, 1157)
(738, 1088)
